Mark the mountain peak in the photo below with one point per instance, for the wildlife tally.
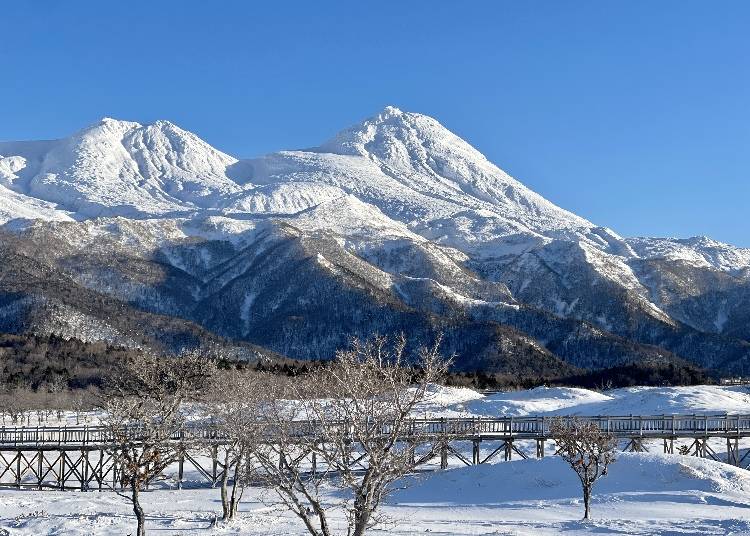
(121, 126)
(114, 121)
(420, 173)
(108, 126)
(389, 128)
(390, 111)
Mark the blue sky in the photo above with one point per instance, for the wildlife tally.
(635, 115)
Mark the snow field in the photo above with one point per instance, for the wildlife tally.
(644, 494)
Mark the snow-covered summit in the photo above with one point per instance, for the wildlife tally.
(427, 157)
(418, 172)
(120, 168)
(416, 146)
(406, 165)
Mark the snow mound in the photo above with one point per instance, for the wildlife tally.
(284, 199)
(538, 401)
(703, 399)
(446, 401)
(633, 476)
(667, 400)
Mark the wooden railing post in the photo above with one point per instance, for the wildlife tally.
(180, 469)
(40, 468)
(18, 468)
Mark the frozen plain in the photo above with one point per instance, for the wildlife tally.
(645, 493)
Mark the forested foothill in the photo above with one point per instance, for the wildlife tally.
(55, 372)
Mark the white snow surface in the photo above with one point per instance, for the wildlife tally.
(699, 251)
(644, 494)
(540, 401)
(443, 401)
(17, 206)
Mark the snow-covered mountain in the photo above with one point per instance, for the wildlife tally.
(395, 223)
(120, 168)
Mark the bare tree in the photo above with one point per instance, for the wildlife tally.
(79, 405)
(587, 449)
(144, 417)
(56, 391)
(236, 404)
(361, 437)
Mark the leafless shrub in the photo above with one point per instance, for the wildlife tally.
(144, 418)
(587, 449)
(359, 438)
(236, 401)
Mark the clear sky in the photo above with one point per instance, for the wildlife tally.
(635, 115)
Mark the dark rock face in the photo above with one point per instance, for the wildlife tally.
(303, 295)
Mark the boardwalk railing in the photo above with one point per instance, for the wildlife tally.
(654, 426)
(84, 457)
(95, 437)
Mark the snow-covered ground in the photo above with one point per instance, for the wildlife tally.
(464, 402)
(700, 399)
(644, 493)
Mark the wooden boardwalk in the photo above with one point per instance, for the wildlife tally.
(80, 457)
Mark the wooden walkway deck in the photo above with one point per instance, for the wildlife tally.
(80, 457)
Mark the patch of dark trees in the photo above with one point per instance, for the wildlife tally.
(33, 362)
(44, 364)
(628, 375)
(669, 374)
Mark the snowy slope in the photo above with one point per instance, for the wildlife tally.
(122, 168)
(17, 206)
(418, 172)
(700, 251)
(552, 479)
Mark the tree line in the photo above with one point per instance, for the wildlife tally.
(49, 372)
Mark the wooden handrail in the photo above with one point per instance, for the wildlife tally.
(518, 427)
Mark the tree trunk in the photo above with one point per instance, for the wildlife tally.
(226, 510)
(586, 502)
(139, 515)
(234, 501)
(361, 519)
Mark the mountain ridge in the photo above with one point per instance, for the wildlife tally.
(396, 206)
